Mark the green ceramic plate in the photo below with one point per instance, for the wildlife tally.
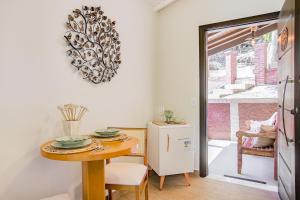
(109, 131)
(72, 140)
(72, 146)
(105, 135)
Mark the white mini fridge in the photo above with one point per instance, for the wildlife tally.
(171, 150)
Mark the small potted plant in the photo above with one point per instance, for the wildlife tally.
(168, 116)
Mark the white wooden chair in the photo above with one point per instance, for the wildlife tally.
(129, 176)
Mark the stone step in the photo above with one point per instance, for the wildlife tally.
(230, 89)
(242, 87)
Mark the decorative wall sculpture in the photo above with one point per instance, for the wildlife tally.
(94, 44)
(284, 39)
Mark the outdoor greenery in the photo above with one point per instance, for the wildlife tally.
(244, 50)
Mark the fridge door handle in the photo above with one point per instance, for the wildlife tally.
(282, 107)
(168, 143)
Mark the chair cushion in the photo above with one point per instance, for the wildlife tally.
(266, 128)
(256, 127)
(124, 173)
(250, 142)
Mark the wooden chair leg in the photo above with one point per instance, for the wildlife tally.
(239, 155)
(110, 194)
(161, 182)
(240, 163)
(275, 170)
(187, 179)
(150, 172)
(275, 162)
(137, 193)
(147, 191)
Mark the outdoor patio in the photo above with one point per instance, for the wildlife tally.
(222, 159)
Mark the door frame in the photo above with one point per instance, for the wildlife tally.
(203, 165)
(297, 100)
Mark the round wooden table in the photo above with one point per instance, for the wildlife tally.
(93, 180)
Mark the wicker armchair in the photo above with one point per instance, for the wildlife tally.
(242, 148)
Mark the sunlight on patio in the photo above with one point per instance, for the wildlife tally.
(222, 160)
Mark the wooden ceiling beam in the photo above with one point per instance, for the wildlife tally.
(228, 37)
(241, 39)
(212, 33)
(219, 35)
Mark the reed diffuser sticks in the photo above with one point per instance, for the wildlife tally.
(72, 112)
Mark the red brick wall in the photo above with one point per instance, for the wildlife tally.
(231, 66)
(257, 111)
(271, 76)
(218, 117)
(262, 75)
(218, 121)
(260, 61)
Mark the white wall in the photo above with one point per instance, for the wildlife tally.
(178, 67)
(35, 77)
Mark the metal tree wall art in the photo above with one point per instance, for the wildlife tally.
(94, 44)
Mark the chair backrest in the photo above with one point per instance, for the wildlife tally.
(276, 120)
(273, 120)
(141, 134)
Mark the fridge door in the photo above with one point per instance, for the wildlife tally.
(176, 151)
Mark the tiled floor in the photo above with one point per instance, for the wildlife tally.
(200, 189)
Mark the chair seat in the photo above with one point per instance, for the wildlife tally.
(268, 148)
(124, 173)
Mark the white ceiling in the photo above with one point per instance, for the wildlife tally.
(160, 4)
(155, 2)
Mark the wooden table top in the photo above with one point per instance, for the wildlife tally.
(111, 150)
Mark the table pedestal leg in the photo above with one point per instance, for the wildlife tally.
(93, 182)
